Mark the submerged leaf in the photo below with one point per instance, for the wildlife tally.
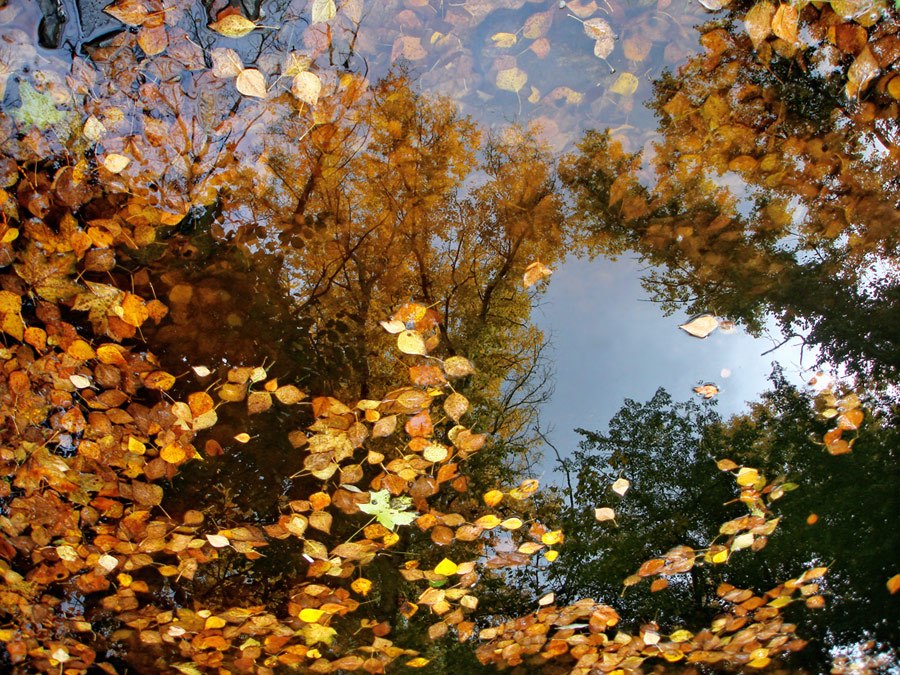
(323, 10)
(306, 87)
(511, 79)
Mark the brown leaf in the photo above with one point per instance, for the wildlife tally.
(784, 23)
(758, 22)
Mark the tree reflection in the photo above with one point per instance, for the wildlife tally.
(763, 195)
(668, 449)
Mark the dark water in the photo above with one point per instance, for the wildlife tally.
(240, 206)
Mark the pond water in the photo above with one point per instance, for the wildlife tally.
(426, 336)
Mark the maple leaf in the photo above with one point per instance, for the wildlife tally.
(389, 513)
(49, 275)
(37, 108)
(97, 301)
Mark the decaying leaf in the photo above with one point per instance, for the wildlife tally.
(701, 326)
(862, 71)
(226, 62)
(758, 22)
(625, 85)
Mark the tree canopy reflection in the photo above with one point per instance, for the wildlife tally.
(764, 195)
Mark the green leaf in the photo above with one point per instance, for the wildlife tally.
(388, 514)
(37, 109)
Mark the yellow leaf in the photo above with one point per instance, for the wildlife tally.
(411, 342)
(251, 82)
(893, 584)
(681, 636)
(361, 586)
(445, 567)
(213, 622)
(493, 497)
(620, 487)
(306, 87)
(115, 163)
(217, 540)
(747, 476)
(323, 10)
(720, 557)
(233, 26)
(547, 599)
(418, 662)
(512, 523)
(135, 446)
(626, 84)
(535, 95)
(242, 437)
(552, 537)
(504, 40)
(173, 453)
(310, 615)
(551, 555)
(436, 452)
(488, 522)
(512, 79)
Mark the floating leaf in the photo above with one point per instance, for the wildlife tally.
(323, 10)
(393, 326)
(361, 586)
(604, 513)
(893, 584)
(411, 342)
(598, 29)
(251, 82)
(863, 70)
(233, 26)
(785, 22)
(217, 540)
(511, 79)
(701, 326)
(226, 62)
(758, 22)
(620, 487)
(37, 108)
(458, 366)
(707, 390)
(242, 437)
(306, 87)
(535, 272)
(445, 567)
(115, 163)
(387, 513)
(604, 47)
(435, 452)
(547, 599)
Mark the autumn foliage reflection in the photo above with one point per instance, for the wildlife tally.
(761, 196)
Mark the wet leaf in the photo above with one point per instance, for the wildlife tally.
(456, 406)
(129, 12)
(251, 82)
(217, 540)
(458, 366)
(411, 342)
(862, 71)
(493, 497)
(537, 25)
(233, 26)
(620, 487)
(153, 39)
(598, 29)
(306, 87)
(323, 10)
(701, 326)
(445, 568)
(226, 62)
(37, 108)
(381, 506)
(893, 584)
(707, 390)
(604, 513)
(115, 163)
(511, 79)
(785, 22)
